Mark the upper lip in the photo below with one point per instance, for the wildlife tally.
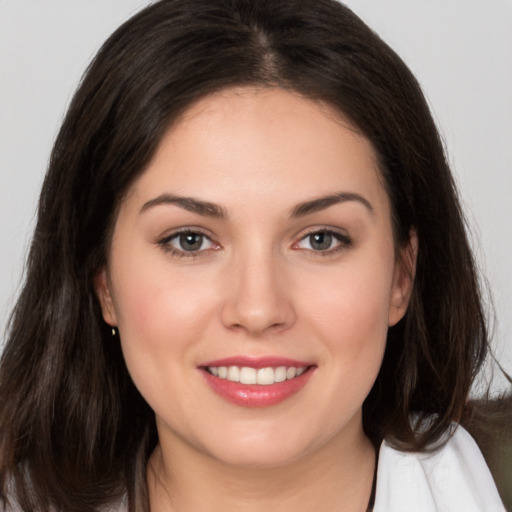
(257, 362)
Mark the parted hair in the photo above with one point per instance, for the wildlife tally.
(75, 432)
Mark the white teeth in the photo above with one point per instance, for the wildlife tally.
(265, 376)
(234, 373)
(247, 375)
(291, 372)
(262, 376)
(280, 374)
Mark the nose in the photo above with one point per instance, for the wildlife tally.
(259, 297)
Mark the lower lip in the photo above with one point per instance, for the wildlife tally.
(254, 395)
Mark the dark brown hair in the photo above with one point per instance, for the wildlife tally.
(76, 434)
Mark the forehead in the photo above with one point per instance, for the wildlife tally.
(258, 142)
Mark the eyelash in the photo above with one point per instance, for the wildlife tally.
(344, 242)
(165, 243)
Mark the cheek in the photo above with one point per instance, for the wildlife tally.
(160, 312)
(353, 306)
(354, 333)
(350, 317)
(349, 313)
(162, 315)
(157, 295)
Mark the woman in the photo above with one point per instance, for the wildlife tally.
(249, 278)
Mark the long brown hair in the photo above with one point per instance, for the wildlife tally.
(76, 434)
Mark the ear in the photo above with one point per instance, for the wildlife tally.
(403, 280)
(102, 288)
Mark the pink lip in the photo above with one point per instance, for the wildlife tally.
(254, 395)
(257, 362)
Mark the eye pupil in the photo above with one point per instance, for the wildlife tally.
(320, 241)
(191, 241)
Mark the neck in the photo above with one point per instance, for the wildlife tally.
(338, 476)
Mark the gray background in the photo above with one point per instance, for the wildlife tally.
(460, 50)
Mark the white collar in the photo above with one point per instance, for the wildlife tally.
(454, 478)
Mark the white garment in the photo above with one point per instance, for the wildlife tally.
(454, 478)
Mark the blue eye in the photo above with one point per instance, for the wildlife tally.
(324, 241)
(187, 243)
(321, 241)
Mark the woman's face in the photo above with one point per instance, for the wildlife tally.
(252, 276)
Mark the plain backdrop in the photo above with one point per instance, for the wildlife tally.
(460, 50)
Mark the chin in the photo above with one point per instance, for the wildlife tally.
(269, 458)
(271, 449)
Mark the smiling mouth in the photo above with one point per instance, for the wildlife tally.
(257, 381)
(259, 376)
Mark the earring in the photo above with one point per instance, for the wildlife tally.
(114, 331)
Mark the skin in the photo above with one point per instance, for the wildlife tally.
(257, 286)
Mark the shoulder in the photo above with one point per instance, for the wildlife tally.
(452, 478)
(120, 506)
(490, 424)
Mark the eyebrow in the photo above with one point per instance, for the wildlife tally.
(204, 208)
(207, 209)
(321, 203)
